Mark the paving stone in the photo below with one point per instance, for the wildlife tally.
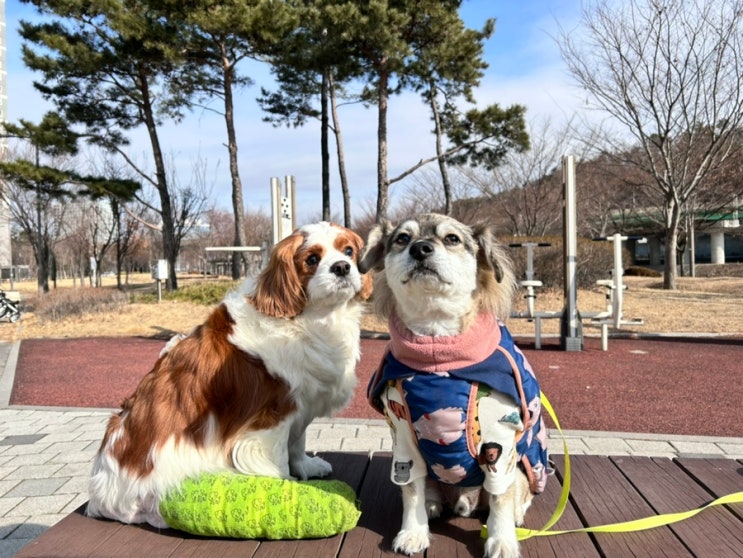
(35, 526)
(34, 471)
(361, 444)
(607, 446)
(7, 469)
(76, 502)
(31, 449)
(9, 547)
(74, 485)
(700, 448)
(6, 485)
(21, 439)
(7, 505)
(27, 459)
(36, 487)
(327, 443)
(82, 469)
(41, 505)
(8, 525)
(651, 448)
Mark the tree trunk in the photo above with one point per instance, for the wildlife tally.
(324, 148)
(170, 243)
(116, 210)
(341, 155)
(670, 269)
(440, 150)
(42, 266)
(382, 180)
(238, 207)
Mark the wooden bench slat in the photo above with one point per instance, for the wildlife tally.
(213, 548)
(381, 513)
(604, 490)
(541, 510)
(719, 476)
(715, 532)
(70, 538)
(602, 494)
(455, 537)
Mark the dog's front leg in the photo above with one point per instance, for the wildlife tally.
(263, 452)
(502, 541)
(302, 465)
(499, 422)
(409, 472)
(414, 535)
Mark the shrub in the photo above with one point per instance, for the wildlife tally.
(63, 303)
(198, 292)
(639, 271)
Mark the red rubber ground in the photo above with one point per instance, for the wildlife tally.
(660, 385)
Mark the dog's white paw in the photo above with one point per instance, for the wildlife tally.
(502, 547)
(411, 541)
(311, 467)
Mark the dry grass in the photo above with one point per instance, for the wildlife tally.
(708, 305)
(700, 305)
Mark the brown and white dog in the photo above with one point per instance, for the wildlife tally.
(461, 401)
(238, 392)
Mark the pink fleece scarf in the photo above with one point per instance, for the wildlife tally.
(438, 355)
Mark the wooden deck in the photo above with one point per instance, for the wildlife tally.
(604, 490)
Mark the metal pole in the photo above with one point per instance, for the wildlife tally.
(276, 209)
(571, 328)
(616, 308)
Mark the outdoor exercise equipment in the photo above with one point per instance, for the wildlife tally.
(571, 320)
(282, 219)
(614, 314)
(529, 283)
(571, 328)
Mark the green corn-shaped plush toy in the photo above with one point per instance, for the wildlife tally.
(238, 506)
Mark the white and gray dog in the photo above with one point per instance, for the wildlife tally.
(461, 400)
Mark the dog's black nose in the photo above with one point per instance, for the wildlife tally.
(341, 269)
(421, 249)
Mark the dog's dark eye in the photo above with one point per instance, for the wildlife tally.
(348, 251)
(312, 260)
(451, 240)
(402, 239)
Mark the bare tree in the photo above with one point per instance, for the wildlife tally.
(525, 187)
(670, 72)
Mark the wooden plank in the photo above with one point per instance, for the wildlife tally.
(456, 537)
(541, 510)
(142, 540)
(715, 532)
(213, 548)
(381, 513)
(75, 535)
(719, 476)
(603, 495)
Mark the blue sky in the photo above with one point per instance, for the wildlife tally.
(524, 67)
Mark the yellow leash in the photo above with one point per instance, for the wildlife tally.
(622, 527)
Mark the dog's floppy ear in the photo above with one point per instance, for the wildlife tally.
(373, 257)
(489, 254)
(279, 291)
(495, 277)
